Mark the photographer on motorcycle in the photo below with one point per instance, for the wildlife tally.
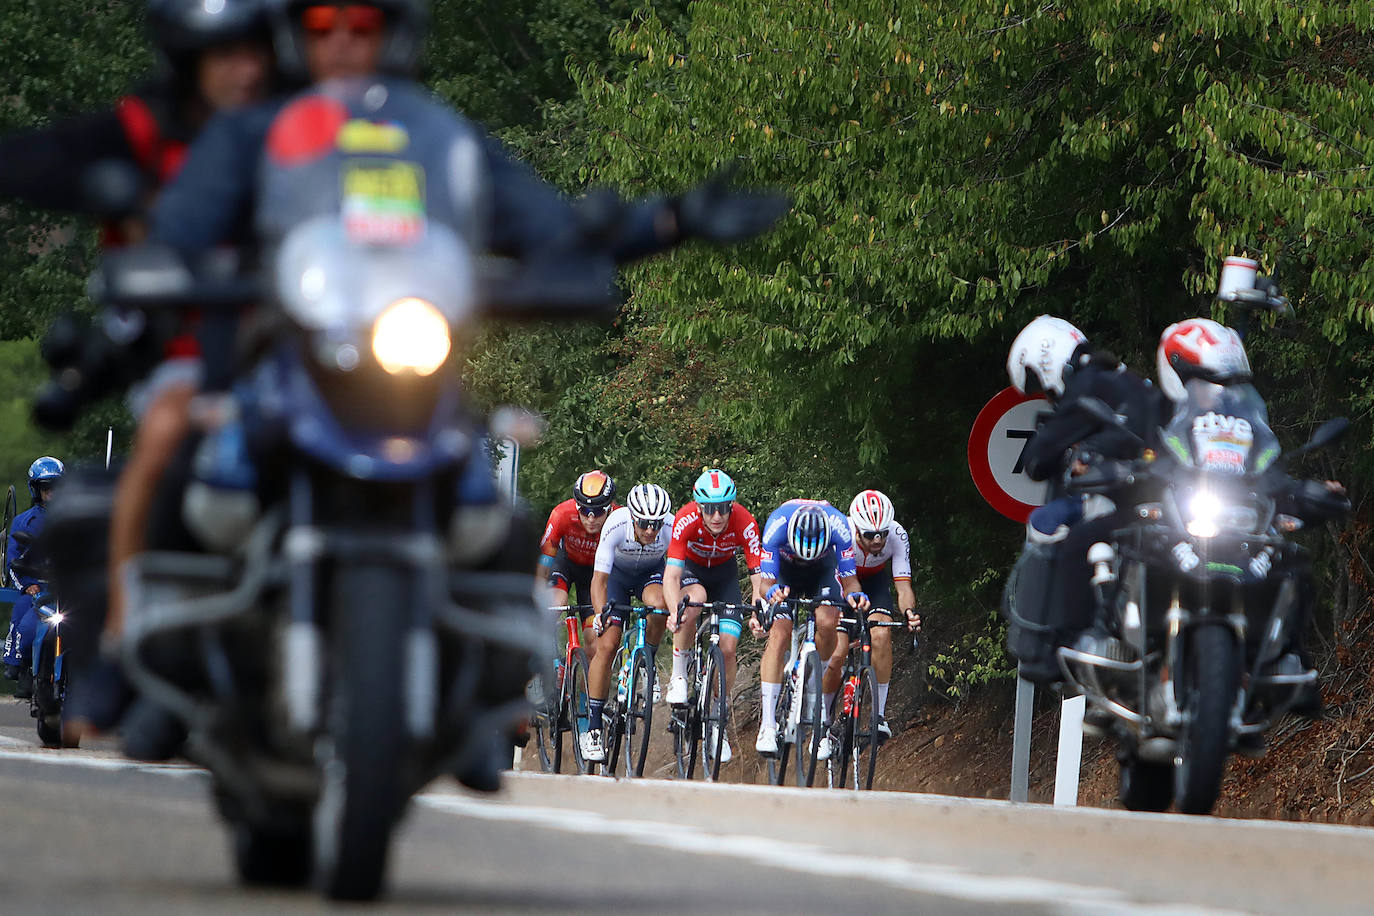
(1053, 357)
(44, 474)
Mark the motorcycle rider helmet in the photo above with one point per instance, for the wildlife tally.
(808, 532)
(713, 486)
(45, 470)
(1199, 348)
(1040, 355)
(181, 29)
(594, 490)
(648, 502)
(871, 510)
(407, 23)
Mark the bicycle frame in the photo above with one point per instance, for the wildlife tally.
(552, 716)
(690, 720)
(856, 737)
(618, 703)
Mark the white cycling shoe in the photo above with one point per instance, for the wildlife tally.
(767, 742)
(725, 752)
(884, 730)
(826, 748)
(593, 750)
(677, 691)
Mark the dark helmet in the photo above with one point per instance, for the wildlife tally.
(181, 29)
(594, 490)
(407, 23)
(46, 469)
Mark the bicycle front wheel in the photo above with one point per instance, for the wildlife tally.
(546, 698)
(866, 740)
(639, 714)
(686, 727)
(575, 700)
(811, 724)
(714, 714)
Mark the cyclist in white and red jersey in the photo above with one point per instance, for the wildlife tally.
(568, 548)
(882, 554)
(629, 564)
(707, 534)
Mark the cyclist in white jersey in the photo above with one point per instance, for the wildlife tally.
(628, 564)
(878, 542)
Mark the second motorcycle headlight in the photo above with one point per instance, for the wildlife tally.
(410, 336)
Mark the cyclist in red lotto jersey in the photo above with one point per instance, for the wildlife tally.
(707, 534)
(568, 548)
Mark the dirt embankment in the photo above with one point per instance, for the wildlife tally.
(1319, 771)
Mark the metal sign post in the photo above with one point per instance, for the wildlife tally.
(1020, 740)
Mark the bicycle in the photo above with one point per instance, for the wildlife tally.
(799, 711)
(700, 723)
(569, 712)
(854, 722)
(630, 707)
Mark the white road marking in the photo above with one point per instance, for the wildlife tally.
(73, 758)
(810, 859)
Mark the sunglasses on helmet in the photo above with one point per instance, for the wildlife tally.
(594, 511)
(359, 19)
(716, 508)
(649, 524)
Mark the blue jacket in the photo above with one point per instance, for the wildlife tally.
(29, 521)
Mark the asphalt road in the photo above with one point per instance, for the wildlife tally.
(85, 831)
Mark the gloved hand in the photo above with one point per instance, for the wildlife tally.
(718, 212)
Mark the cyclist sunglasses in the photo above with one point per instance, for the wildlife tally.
(716, 508)
(652, 524)
(359, 19)
(873, 535)
(593, 511)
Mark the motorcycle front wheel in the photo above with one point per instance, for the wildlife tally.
(362, 792)
(1210, 694)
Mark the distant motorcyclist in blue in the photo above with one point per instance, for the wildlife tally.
(43, 477)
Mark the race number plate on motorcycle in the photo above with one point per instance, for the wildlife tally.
(1222, 443)
(383, 202)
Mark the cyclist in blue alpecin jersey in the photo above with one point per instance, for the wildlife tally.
(808, 552)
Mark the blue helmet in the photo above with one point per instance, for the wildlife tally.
(808, 532)
(713, 486)
(44, 469)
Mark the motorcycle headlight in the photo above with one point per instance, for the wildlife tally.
(56, 618)
(1204, 510)
(411, 335)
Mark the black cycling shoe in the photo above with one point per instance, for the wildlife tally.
(1309, 703)
(151, 733)
(483, 774)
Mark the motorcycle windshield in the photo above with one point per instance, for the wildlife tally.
(1222, 429)
(327, 280)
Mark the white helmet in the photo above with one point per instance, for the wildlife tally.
(1040, 353)
(871, 510)
(648, 502)
(1199, 348)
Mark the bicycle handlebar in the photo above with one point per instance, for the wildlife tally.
(642, 609)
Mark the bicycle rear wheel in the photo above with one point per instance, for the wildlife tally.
(866, 739)
(686, 727)
(714, 714)
(575, 700)
(639, 714)
(811, 725)
(842, 734)
(612, 731)
(544, 720)
(777, 764)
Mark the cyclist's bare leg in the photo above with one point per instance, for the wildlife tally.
(775, 652)
(727, 651)
(656, 624)
(160, 433)
(687, 629)
(827, 645)
(599, 671)
(835, 670)
(880, 639)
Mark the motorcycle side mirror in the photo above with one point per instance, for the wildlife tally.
(1327, 433)
(142, 275)
(1098, 410)
(114, 189)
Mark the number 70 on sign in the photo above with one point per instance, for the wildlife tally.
(996, 453)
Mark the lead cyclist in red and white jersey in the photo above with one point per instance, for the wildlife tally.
(880, 544)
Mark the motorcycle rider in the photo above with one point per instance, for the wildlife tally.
(1053, 357)
(44, 475)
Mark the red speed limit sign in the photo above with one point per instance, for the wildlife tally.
(996, 448)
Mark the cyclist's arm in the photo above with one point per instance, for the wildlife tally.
(599, 580)
(760, 586)
(906, 598)
(850, 585)
(672, 589)
(548, 547)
